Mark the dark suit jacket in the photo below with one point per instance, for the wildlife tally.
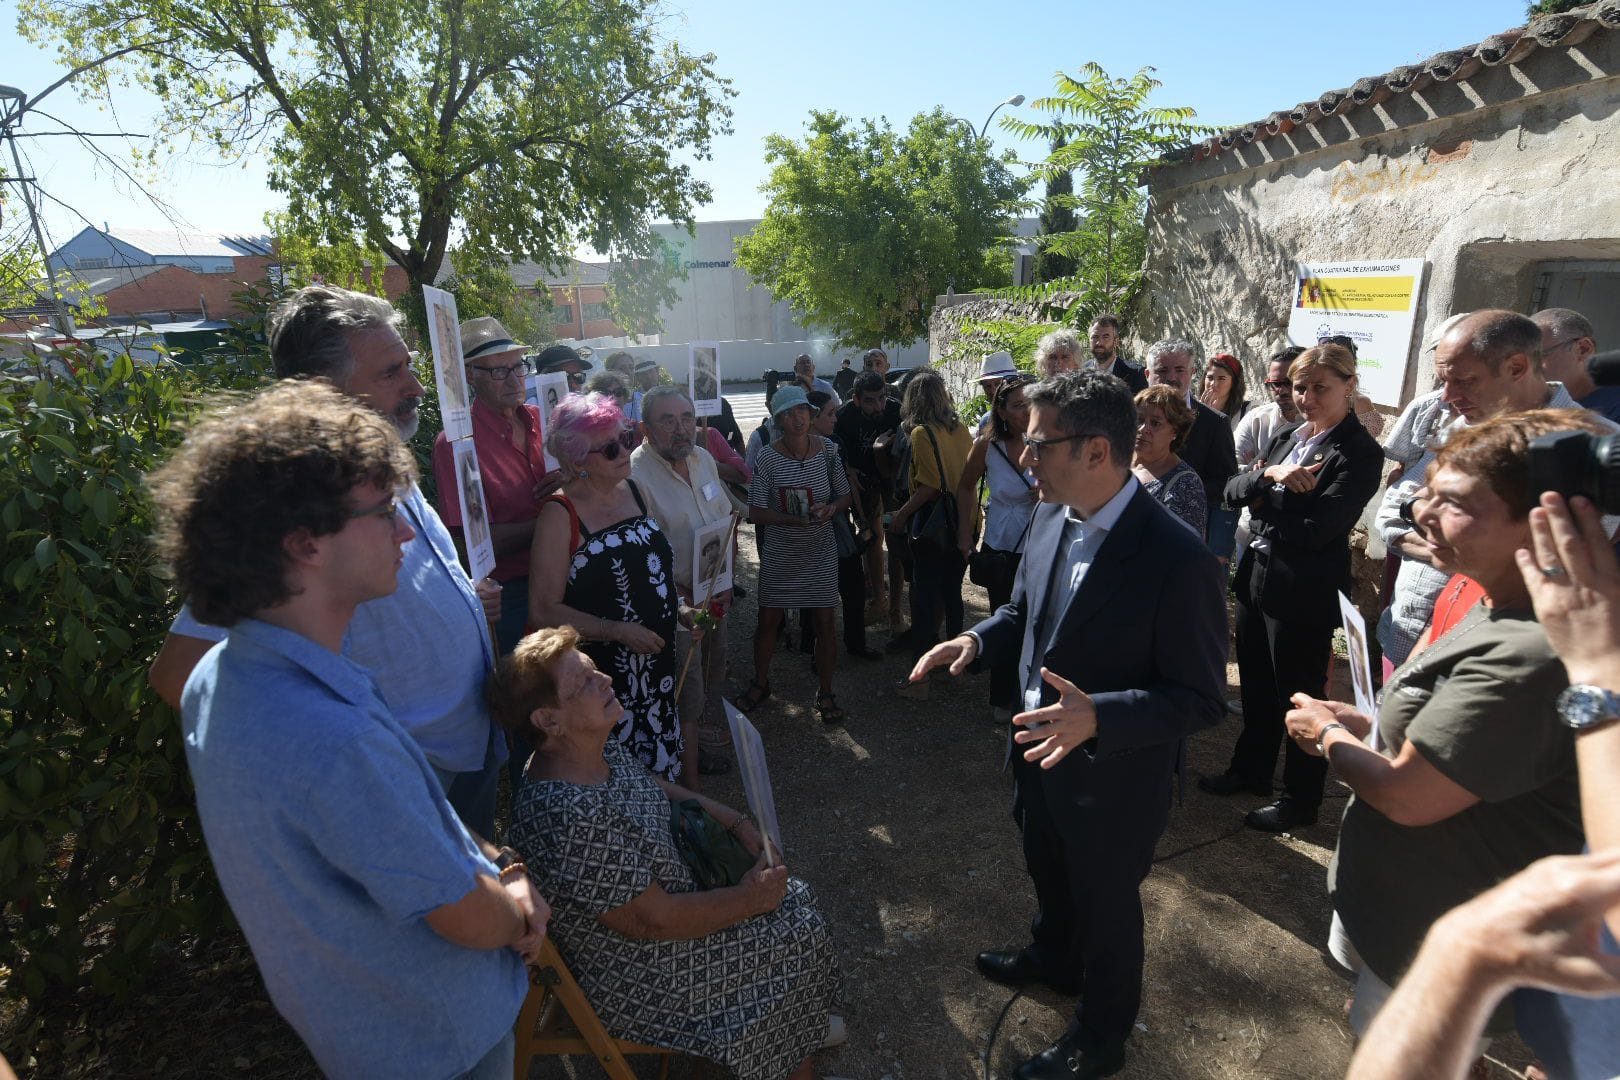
(1210, 449)
(1309, 563)
(1144, 635)
(1132, 375)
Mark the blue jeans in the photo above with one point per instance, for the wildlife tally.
(497, 1064)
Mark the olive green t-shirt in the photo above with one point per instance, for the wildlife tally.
(1479, 705)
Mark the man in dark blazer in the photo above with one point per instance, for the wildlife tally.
(1209, 448)
(1105, 351)
(1118, 619)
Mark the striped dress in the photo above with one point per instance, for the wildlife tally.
(798, 565)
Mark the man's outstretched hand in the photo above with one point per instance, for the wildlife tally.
(957, 652)
(1058, 728)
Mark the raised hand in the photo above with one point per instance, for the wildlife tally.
(1060, 727)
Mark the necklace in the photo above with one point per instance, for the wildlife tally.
(1418, 665)
(787, 451)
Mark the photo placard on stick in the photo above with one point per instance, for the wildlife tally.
(474, 511)
(703, 377)
(756, 778)
(1355, 635)
(544, 393)
(449, 371)
(712, 552)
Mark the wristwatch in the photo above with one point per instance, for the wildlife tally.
(1322, 735)
(507, 857)
(1586, 708)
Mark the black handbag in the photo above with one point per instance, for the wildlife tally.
(716, 857)
(843, 535)
(936, 523)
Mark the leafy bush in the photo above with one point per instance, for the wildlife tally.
(100, 852)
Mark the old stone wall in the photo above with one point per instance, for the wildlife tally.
(1485, 177)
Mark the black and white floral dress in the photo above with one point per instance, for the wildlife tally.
(753, 996)
(623, 573)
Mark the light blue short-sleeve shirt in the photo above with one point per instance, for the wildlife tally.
(426, 643)
(332, 841)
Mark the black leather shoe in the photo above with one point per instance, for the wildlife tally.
(1280, 816)
(1231, 783)
(1022, 969)
(1064, 1060)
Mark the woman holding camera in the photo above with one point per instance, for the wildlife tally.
(1304, 494)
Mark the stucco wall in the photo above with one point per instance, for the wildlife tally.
(1485, 178)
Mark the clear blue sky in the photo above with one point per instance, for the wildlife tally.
(1232, 62)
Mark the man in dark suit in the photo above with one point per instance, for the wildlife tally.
(1118, 619)
(1209, 449)
(1105, 351)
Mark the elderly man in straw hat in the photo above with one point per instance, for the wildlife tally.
(507, 435)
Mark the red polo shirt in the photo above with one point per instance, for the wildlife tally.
(509, 476)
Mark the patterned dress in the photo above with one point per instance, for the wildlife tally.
(753, 996)
(1182, 493)
(623, 573)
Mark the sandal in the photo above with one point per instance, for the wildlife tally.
(827, 708)
(757, 695)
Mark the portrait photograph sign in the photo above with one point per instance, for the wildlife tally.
(544, 392)
(1355, 636)
(1374, 303)
(449, 371)
(703, 377)
(474, 511)
(756, 780)
(711, 559)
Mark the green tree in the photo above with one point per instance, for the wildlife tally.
(504, 125)
(1553, 7)
(1057, 217)
(1111, 137)
(865, 226)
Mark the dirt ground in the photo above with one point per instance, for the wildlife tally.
(900, 821)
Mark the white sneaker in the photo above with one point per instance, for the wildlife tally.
(835, 1032)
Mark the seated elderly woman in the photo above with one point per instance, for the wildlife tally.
(1471, 776)
(1163, 419)
(741, 974)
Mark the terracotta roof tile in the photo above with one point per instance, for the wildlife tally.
(1560, 31)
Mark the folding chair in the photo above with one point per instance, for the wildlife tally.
(554, 997)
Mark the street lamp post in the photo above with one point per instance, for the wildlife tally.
(1015, 100)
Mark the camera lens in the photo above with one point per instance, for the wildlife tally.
(1578, 463)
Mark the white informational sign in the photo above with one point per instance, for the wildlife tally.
(1355, 635)
(711, 559)
(474, 512)
(544, 391)
(756, 780)
(1373, 303)
(703, 377)
(449, 371)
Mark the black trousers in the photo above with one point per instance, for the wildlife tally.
(1004, 688)
(1089, 835)
(1275, 661)
(936, 582)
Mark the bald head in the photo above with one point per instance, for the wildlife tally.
(1490, 362)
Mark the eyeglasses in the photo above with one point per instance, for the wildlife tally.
(1279, 384)
(505, 371)
(576, 378)
(625, 442)
(1037, 446)
(1555, 346)
(388, 511)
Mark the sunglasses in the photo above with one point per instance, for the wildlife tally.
(625, 443)
(388, 511)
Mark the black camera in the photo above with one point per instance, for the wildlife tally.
(1578, 463)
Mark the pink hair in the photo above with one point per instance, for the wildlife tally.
(580, 422)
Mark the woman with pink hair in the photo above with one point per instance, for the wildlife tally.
(601, 564)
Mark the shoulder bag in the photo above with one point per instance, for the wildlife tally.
(843, 535)
(936, 522)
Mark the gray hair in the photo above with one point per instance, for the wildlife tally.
(1091, 403)
(1168, 347)
(1064, 340)
(309, 331)
(1565, 323)
(659, 393)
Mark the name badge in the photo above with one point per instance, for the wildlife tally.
(711, 491)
